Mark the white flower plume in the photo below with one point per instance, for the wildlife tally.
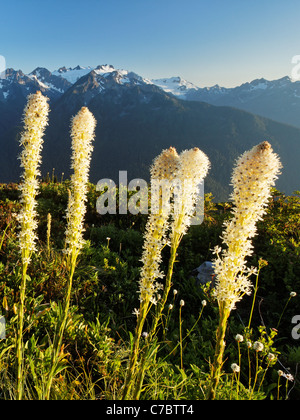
(253, 176)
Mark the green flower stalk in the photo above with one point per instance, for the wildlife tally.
(162, 172)
(35, 121)
(253, 176)
(82, 134)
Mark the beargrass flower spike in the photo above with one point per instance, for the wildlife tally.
(184, 177)
(35, 121)
(254, 174)
(193, 168)
(82, 134)
(162, 172)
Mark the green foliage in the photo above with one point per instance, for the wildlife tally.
(96, 345)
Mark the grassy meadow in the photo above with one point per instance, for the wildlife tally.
(109, 306)
(99, 333)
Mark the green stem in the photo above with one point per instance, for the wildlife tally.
(135, 350)
(160, 307)
(239, 373)
(249, 368)
(253, 302)
(180, 338)
(20, 344)
(168, 284)
(59, 337)
(283, 313)
(4, 233)
(219, 351)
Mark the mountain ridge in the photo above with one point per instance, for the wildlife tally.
(136, 120)
(276, 99)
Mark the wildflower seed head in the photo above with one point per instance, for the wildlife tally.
(293, 294)
(258, 346)
(235, 368)
(239, 338)
(35, 122)
(182, 303)
(271, 357)
(287, 376)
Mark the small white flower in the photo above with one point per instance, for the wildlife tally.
(235, 368)
(293, 294)
(170, 307)
(271, 357)
(217, 250)
(175, 291)
(239, 338)
(249, 344)
(182, 303)
(204, 303)
(287, 376)
(135, 312)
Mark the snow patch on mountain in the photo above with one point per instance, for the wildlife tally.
(72, 75)
(175, 85)
(35, 78)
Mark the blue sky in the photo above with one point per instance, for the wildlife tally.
(228, 42)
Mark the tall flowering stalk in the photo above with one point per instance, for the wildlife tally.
(162, 172)
(191, 168)
(82, 134)
(253, 176)
(35, 121)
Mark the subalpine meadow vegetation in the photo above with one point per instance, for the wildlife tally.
(85, 315)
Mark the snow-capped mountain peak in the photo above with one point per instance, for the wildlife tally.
(175, 85)
(104, 69)
(72, 75)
